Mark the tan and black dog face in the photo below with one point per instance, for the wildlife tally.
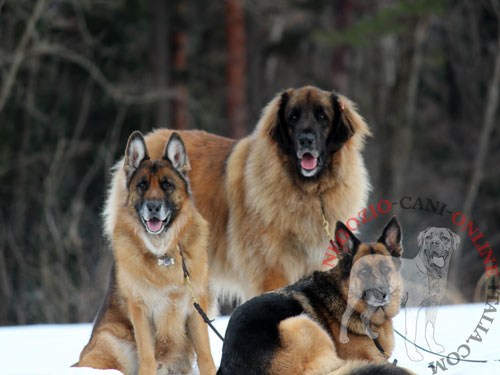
(156, 188)
(437, 244)
(310, 128)
(371, 268)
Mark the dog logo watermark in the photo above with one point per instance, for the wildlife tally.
(425, 277)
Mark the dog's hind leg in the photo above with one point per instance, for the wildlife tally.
(98, 361)
(306, 349)
(106, 351)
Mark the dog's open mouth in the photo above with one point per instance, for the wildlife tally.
(438, 261)
(155, 225)
(309, 163)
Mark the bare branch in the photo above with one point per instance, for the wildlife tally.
(111, 90)
(19, 53)
(81, 23)
(484, 139)
(490, 110)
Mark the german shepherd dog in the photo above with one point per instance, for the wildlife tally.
(261, 194)
(147, 323)
(296, 330)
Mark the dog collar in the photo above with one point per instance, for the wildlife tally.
(166, 260)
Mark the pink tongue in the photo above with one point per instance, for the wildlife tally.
(308, 162)
(154, 225)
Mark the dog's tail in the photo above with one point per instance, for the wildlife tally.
(368, 368)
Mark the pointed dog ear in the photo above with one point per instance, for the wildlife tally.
(175, 152)
(280, 133)
(346, 123)
(392, 237)
(455, 239)
(346, 241)
(135, 153)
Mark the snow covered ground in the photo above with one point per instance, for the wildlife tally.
(51, 349)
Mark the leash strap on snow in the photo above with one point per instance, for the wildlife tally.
(445, 356)
(193, 297)
(207, 320)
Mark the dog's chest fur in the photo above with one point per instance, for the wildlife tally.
(170, 299)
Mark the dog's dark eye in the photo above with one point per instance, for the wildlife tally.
(320, 115)
(166, 185)
(142, 185)
(444, 239)
(294, 116)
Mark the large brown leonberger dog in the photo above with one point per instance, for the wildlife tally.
(261, 194)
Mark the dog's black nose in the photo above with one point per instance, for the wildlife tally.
(306, 140)
(378, 294)
(153, 207)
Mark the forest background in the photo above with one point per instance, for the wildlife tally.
(78, 76)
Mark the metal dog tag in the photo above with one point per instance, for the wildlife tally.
(166, 260)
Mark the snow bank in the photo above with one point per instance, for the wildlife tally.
(51, 349)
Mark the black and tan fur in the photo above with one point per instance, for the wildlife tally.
(262, 206)
(296, 330)
(147, 323)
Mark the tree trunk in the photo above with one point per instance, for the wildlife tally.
(405, 127)
(19, 53)
(490, 110)
(341, 56)
(236, 69)
(160, 58)
(180, 118)
(396, 130)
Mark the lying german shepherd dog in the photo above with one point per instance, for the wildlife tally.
(296, 330)
(147, 322)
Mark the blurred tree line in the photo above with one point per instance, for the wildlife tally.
(77, 76)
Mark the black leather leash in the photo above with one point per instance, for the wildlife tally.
(380, 347)
(445, 356)
(193, 297)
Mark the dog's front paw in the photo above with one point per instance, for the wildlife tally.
(343, 337)
(435, 347)
(415, 356)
